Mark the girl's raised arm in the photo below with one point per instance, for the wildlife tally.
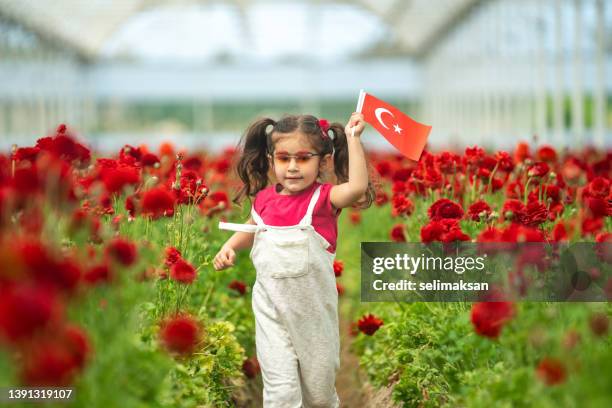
(346, 194)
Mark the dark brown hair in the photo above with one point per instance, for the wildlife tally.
(257, 143)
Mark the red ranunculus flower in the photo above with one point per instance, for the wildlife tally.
(381, 198)
(182, 271)
(339, 289)
(401, 205)
(547, 154)
(355, 217)
(26, 309)
(98, 274)
(157, 202)
(149, 159)
(551, 371)
(521, 152)
(535, 213)
(383, 168)
(172, 255)
(489, 318)
(180, 334)
(479, 210)
(369, 324)
(338, 268)
(559, 233)
(397, 233)
(116, 179)
(539, 169)
(599, 187)
(504, 161)
(444, 208)
(250, 367)
(513, 209)
(238, 286)
(49, 362)
(122, 251)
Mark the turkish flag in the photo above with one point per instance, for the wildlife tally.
(407, 135)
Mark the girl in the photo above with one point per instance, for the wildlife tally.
(292, 231)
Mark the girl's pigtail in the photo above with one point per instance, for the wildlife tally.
(341, 161)
(253, 165)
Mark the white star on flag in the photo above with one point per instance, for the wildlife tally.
(397, 128)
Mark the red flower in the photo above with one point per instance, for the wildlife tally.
(26, 153)
(534, 214)
(27, 181)
(65, 147)
(45, 268)
(381, 198)
(338, 268)
(50, 362)
(551, 371)
(397, 233)
(78, 344)
(149, 159)
(383, 168)
(547, 154)
(172, 255)
(513, 209)
(369, 324)
(158, 202)
(591, 226)
(182, 271)
(539, 169)
(473, 156)
(449, 162)
(599, 207)
(122, 251)
(599, 187)
(402, 205)
(116, 179)
(238, 286)
(478, 209)
(521, 152)
(559, 233)
(26, 309)
(340, 289)
(250, 367)
(489, 318)
(355, 217)
(504, 161)
(180, 334)
(444, 208)
(98, 273)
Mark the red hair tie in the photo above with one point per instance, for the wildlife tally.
(324, 124)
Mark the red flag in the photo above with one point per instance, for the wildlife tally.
(407, 135)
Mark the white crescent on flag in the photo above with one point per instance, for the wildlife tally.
(378, 112)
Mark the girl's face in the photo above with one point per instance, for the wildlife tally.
(295, 162)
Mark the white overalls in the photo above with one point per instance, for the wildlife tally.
(295, 302)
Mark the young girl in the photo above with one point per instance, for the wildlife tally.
(292, 231)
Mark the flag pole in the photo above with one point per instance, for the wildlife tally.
(358, 109)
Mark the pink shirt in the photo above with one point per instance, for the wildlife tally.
(284, 210)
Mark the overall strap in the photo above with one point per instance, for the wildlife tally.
(256, 217)
(307, 220)
(230, 226)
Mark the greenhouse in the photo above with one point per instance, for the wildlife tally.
(197, 198)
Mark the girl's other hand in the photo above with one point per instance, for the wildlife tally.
(356, 120)
(224, 259)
